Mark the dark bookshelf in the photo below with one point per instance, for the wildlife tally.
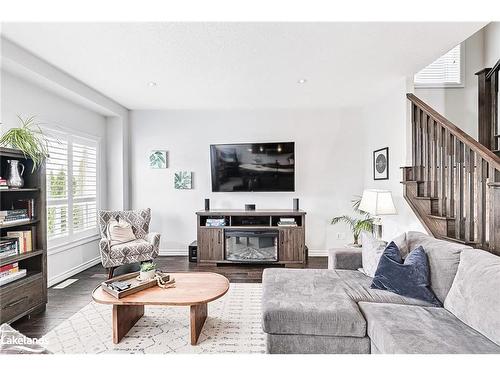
(28, 294)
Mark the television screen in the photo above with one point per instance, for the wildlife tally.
(253, 167)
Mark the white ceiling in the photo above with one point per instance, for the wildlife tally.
(239, 65)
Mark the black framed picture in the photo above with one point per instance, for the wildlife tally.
(381, 164)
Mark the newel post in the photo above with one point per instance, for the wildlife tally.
(485, 128)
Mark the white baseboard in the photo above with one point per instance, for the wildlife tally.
(73, 271)
(318, 253)
(173, 252)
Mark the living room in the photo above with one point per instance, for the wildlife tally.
(249, 187)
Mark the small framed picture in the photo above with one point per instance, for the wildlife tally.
(158, 159)
(381, 164)
(183, 180)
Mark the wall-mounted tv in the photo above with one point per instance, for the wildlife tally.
(253, 167)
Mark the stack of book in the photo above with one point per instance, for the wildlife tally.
(8, 247)
(10, 272)
(215, 222)
(14, 216)
(24, 240)
(26, 204)
(3, 184)
(287, 222)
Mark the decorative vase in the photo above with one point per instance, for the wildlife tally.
(15, 180)
(148, 275)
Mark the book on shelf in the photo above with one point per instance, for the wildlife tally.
(9, 269)
(287, 222)
(13, 216)
(12, 277)
(27, 205)
(8, 247)
(25, 240)
(215, 222)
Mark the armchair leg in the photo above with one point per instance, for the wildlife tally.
(110, 272)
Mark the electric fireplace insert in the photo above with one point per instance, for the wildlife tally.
(251, 245)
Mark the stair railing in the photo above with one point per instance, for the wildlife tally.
(458, 172)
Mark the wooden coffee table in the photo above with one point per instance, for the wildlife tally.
(194, 289)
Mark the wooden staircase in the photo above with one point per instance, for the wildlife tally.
(453, 185)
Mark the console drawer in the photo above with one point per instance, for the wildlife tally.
(17, 300)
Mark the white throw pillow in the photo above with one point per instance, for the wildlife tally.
(371, 251)
(120, 231)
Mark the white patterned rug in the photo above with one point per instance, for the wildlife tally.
(233, 326)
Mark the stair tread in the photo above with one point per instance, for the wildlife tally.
(411, 182)
(426, 198)
(441, 217)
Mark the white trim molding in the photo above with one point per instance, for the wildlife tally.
(173, 252)
(73, 271)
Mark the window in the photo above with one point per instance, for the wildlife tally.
(447, 71)
(72, 187)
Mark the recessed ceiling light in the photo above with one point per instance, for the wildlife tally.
(302, 81)
(152, 84)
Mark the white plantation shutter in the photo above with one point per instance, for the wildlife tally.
(445, 71)
(57, 188)
(72, 188)
(84, 186)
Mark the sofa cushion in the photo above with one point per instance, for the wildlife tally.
(405, 329)
(443, 257)
(130, 248)
(408, 278)
(308, 302)
(474, 297)
(357, 287)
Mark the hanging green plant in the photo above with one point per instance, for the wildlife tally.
(27, 138)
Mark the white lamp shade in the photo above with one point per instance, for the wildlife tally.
(377, 202)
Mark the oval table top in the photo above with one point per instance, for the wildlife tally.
(191, 288)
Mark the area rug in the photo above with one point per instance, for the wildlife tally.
(233, 326)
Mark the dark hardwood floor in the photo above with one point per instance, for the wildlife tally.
(63, 303)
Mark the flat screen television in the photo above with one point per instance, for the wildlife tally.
(253, 167)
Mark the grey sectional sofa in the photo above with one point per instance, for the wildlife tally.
(336, 311)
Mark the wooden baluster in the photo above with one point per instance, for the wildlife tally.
(458, 188)
(418, 143)
(480, 200)
(414, 137)
(433, 157)
(441, 176)
(450, 184)
(468, 195)
(425, 153)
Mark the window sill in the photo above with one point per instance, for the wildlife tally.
(55, 249)
(439, 86)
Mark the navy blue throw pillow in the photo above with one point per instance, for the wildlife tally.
(409, 278)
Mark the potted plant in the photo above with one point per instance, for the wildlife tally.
(148, 270)
(27, 138)
(356, 224)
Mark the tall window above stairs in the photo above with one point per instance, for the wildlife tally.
(447, 71)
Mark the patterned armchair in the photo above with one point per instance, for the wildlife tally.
(145, 247)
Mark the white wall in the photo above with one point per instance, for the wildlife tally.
(491, 44)
(386, 125)
(459, 104)
(329, 166)
(25, 98)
